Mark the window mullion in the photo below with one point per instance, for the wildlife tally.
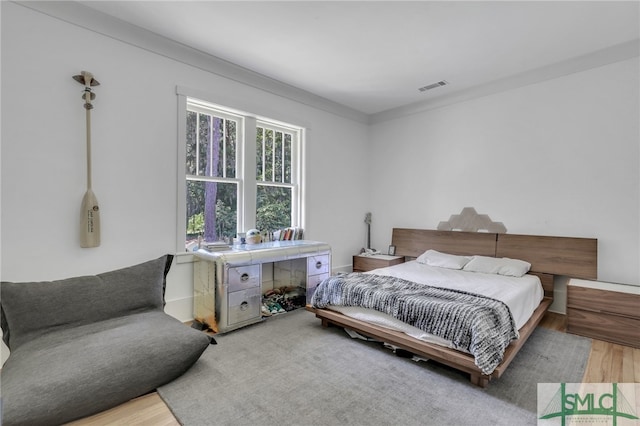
(224, 147)
(263, 154)
(282, 158)
(212, 179)
(296, 177)
(273, 155)
(249, 178)
(197, 143)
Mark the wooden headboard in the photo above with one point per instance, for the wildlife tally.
(414, 242)
(573, 257)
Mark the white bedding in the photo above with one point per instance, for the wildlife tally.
(522, 295)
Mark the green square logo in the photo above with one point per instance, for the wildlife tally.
(615, 404)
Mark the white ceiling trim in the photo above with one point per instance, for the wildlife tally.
(620, 52)
(106, 25)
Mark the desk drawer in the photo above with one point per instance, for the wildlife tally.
(318, 264)
(243, 277)
(244, 305)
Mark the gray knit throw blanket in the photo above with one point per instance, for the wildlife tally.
(479, 325)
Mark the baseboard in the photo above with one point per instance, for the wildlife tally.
(181, 309)
(341, 269)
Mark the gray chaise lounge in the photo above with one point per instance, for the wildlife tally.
(82, 345)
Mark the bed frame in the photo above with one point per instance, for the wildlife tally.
(549, 256)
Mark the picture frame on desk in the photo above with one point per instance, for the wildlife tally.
(392, 250)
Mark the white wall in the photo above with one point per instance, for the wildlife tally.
(134, 138)
(559, 157)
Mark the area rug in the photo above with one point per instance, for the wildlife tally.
(288, 370)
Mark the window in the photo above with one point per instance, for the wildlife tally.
(211, 164)
(222, 195)
(276, 176)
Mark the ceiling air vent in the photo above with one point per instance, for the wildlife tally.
(433, 86)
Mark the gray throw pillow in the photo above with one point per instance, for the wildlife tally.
(31, 309)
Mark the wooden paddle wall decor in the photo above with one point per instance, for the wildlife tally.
(90, 210)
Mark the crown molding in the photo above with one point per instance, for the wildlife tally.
(82, 16)
(92, 20)
(617, 53)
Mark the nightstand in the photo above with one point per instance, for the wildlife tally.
(604, 311)
(367, 263)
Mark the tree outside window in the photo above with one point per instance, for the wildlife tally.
(274, 177)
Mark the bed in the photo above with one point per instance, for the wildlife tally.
(547, 256)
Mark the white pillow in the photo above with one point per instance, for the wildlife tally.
(514, 267)
(442, 260)
(494, 265)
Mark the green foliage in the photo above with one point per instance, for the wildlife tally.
(273, 216)
(195, 224)
(225, 220)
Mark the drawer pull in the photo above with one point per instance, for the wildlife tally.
(244, 277)
(244, 306)
(318, 265)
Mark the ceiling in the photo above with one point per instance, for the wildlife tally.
(374, 56)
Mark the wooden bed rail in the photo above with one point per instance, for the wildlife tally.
(451, 357)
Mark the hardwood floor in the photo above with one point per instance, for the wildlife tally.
(147, 410)
(608, 363)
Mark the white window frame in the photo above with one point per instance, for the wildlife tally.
(245, 164)
(296, 161)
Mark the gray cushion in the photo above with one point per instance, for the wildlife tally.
(84, 362)
(31, 309)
